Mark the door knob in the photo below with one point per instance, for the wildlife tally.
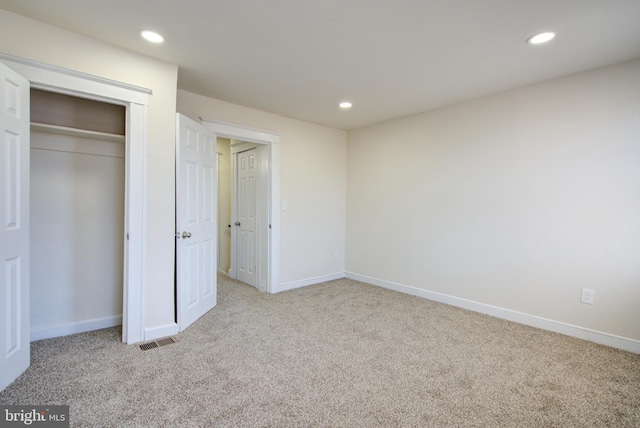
(237, 223)
(186, 235)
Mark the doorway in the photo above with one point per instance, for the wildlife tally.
(243, 199)
(135, 100)
(269, 145)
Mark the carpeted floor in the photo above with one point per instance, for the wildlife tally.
(338, 354)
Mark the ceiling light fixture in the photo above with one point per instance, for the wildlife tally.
(345, 105)
(540, 38)
(151, 36)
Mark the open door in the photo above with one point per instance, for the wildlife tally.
(246, 251)
(14, 229)
(196, 221)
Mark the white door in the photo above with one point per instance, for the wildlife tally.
(247, 170)
(196, 220)
(14, 229)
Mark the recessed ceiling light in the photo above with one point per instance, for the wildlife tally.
(540, 38)
(151, 36)
(345, 105)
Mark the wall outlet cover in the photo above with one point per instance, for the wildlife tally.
(587, 296)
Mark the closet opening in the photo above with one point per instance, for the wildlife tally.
(77, 199)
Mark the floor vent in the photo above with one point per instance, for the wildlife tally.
(166, 341)
(157, 343)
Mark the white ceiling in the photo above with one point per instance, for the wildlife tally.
(391, 58)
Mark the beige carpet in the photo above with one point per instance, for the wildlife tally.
(339, 354)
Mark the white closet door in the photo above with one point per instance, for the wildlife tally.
(14, 225)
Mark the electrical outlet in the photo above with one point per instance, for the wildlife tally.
(587, 296)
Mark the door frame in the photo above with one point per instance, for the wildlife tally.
(136, 100)
(272, 141)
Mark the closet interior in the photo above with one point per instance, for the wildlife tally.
(77, 193)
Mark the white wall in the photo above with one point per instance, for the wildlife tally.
(77, 223)
(34, 40)
(313, 183)
(516, 200)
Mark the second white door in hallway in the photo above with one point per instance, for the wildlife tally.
(247, 170)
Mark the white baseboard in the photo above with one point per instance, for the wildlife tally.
(599, 337)
(73, 328)
(309, 281)
(161, 331)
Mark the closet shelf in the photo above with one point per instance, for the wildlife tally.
(73, 132)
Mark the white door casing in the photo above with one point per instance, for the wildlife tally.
(262, 215)
(246, 248)
(196, 220)
(14, 228)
